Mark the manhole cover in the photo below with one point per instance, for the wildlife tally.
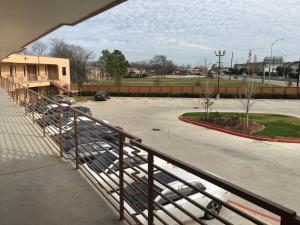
(155, 129)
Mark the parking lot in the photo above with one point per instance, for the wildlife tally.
(269, 169)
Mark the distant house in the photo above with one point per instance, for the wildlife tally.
(294, 66)
(135, 72)
(93, 73)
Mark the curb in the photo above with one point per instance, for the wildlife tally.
(198, 123)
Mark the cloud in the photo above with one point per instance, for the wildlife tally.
(189, 30)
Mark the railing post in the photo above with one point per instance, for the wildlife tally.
(290, 220)
(76, 140)
(121, 174)
(33, 107)
(26, 101)
(18, 95)
(150, 189)
(10, 89)
(285, 221)
(44, 119)
(60, 133)
(15, 93)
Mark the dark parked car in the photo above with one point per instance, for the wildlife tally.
(102, 96)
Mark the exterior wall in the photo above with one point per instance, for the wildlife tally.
(40, 62)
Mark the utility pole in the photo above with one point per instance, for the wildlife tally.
(205, 67)
(219, 54)
(231, 66)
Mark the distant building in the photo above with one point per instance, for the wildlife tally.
(135, 72)
(261, 67)
(193, 71)
(294, 67)
(94, 73)
(270, 64)
(254, 68)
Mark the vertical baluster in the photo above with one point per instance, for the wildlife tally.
(121, 174)
(150, 189)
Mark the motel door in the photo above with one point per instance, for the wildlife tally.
(32, 72)
(52, 72)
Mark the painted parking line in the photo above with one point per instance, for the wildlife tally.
(256, 212)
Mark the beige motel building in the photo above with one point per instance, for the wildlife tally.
(37, 72)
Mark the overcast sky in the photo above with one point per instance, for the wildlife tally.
(188, 31)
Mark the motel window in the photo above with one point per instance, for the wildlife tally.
(64, 71)
(12, 70)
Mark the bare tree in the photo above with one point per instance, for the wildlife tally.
(249, 62)
(246, 97)
(38, 48)
(78, 56)
(246, 90)
(162, 65)
(206, 100)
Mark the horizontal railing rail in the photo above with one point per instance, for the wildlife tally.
(143, 184)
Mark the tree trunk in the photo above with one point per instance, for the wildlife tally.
(247, 120)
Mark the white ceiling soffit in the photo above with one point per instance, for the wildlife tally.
(24, 21)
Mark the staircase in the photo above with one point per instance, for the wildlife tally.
(64, 87)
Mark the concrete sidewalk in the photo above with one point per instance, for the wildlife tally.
(38, 188)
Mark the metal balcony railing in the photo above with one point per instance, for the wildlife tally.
(143, 184)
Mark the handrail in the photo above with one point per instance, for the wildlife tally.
(23, 96)
(241, 192)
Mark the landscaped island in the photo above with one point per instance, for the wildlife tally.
(261, 125)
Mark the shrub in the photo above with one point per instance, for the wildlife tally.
(234, 120)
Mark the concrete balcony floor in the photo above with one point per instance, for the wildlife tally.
(38, 188)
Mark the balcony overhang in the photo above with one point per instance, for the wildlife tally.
(23, 22)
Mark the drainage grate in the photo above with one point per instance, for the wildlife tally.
(155, 129)
(196, 107)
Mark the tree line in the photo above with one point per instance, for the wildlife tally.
(114, 63)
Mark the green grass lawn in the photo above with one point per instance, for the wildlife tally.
(174, 81)
(276, 126)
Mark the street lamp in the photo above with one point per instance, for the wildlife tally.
(273, 43)
(219, 54)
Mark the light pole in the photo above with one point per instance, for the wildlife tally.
(273, 43)
(219, 54)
